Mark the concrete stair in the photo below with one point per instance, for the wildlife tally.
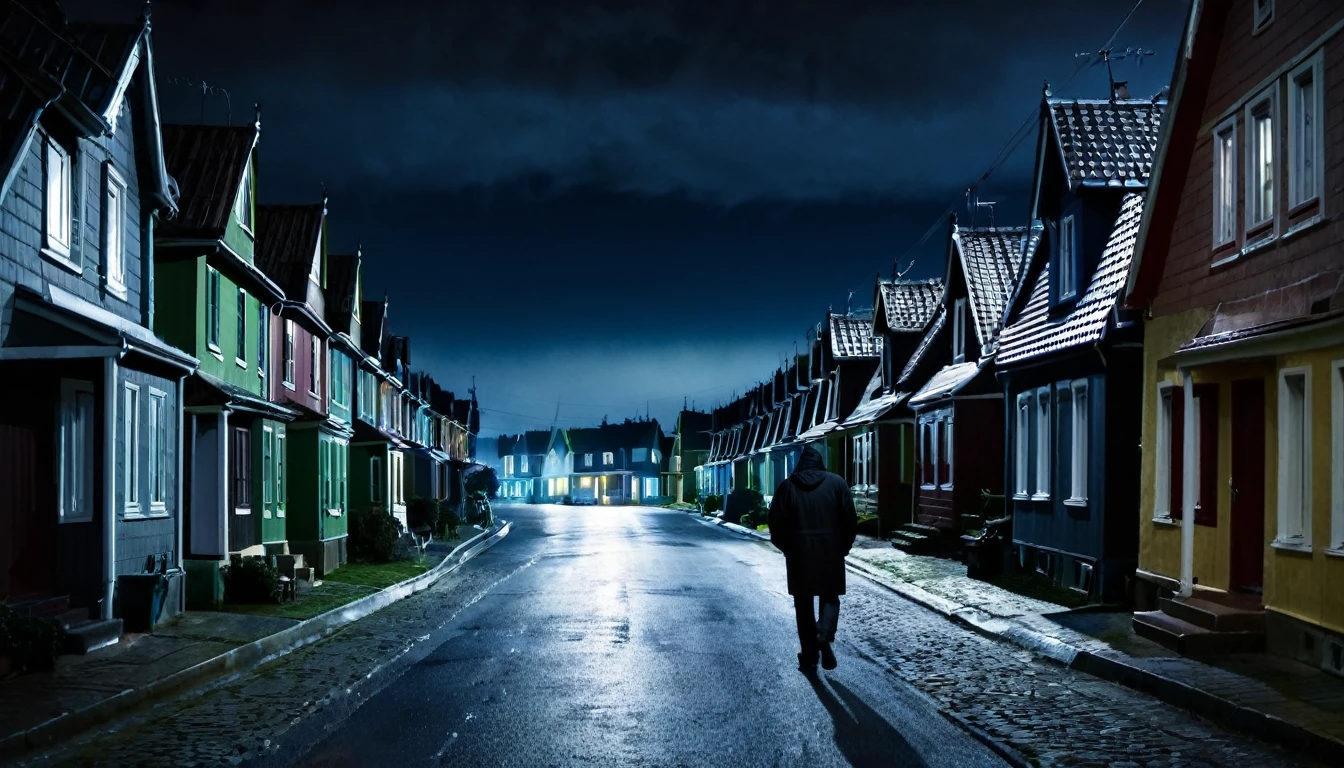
(1205, 624)
(917, 539)
(92, 635)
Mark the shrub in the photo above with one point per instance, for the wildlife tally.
(567, 500)
(448, 523)
(373, 535)
(744, 502)
(423, 514)
(29, 642)
(713, 502)
(251, 580)
(869, 524)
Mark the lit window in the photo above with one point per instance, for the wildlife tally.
(523, 463)
(289, 353)
(59, 178)
(1225, 182)
(1294, 508)
(1023, 442)
(114, 230)
(1260, 159)
(241, 357)
(608, 458)
(131, 434)
(212, 322)
(1078, 456)
(1306, 131)
(959, 332)
(1067, 282)
(159, 450)
(1043, 444)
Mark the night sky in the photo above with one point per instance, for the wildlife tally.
(618, 203)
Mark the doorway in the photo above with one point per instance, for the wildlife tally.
(1247, 561)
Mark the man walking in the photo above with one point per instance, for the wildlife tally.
(812, 521)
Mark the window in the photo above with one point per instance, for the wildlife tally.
(240, 466)
(1294, 509)
(281, 478)
(1168, 502)
(242, 204)
(1260, 159)
(267, 471)
(130, 419)
(241, 357)
(1337, 456)
(959, 332)
(650, 486)
(77, 451)
(1079, 439)
(524, 469)
(315, 365)
(947, 446)
(398, 481)
(1042, 444)
(1263, 14)
(114, 230)
(289, 353)
(1021, 489)
(59, 179)
(863, 460)
(1206, 454)
(263, 337)
(607, 458)
(1225, 182)
(159, 451)
(927, 454)
(212, 308)
(639, 454)
(1067, 282)
(1306, 132)
(376, 479)
(339, 378)
(587, 459)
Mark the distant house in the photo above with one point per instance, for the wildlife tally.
(292, 251)
(616, 463)
(688, 454)
(846, 357)
(89, 420)
(378, 453)
(957, 403)
(1071, 359)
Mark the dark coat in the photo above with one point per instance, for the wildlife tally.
(812, 521)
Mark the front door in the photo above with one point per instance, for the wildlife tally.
(1247, 562)
(243, 531)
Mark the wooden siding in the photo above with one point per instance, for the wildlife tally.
(151, 533)
(300, 394)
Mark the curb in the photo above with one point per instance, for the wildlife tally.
(249, 656)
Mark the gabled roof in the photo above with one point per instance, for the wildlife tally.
(536, 441)
(907, 305)
(991, 260)
(1032, 332)
(852, 336)
(875, 403)
(1106, 143)
(94, 79)
(287, 239)
(342, 279)
(373, 316)
(208, 162)
(925, 344)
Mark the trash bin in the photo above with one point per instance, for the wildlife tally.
(140, 600)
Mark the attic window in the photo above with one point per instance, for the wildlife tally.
(242, 204)
(959, 332)
(1067, 285)
(1264, 14)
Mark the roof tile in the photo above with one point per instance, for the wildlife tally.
(852, 336)
(991, 259)
(1110, 143)
(909, 305)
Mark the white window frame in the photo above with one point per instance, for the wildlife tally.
(929, 451)
(159, 445)
(1268, 98)
(524, 464)
(1166, 407)
(58, 205)
(77, 452)
(114, 230)
(267, 471)
(1294, 456)
(1302, 137)
(290, 341)
(608, 458)
(263, 336)
(945, 424)
(398, 484)
(1042, 446)
(1336, 544)
(959, 331)
(1078, 455)
(213, 320)
(1262, 14)
(130, 420)
(240, 299)
(1225, 181)
(1066, 282)
(1021, 470)
(315, 360)
(242, 202)
(281, 479)
(587, 459)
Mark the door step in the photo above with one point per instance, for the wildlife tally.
(1190, 639)
(917, 539)
(92, 635)
(1213, 616)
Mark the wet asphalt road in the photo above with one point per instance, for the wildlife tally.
(631, 636)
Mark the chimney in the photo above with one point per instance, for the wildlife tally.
(1121, 90)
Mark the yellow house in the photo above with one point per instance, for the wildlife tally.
(1240, 270)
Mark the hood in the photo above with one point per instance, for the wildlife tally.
(811, 470)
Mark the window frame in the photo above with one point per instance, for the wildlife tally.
(1163, 478)
(130, 419)
(1079, 438)
(377, 480)
(1022, 468)
(959, 331)
(315, 366)
(1225, 221)
(159, 443)
(1267, 226)
(587, 459)
(1290, 456)
(1315, 64)
(608, 458)
(213, 299)
(240, 299)
(1066, 279)
(1336, 543)
(114, 231)
(1262, 15)
(290, 341)
(267, 471)
(80, 509)
(243, 206)
(58, 183)
(281, 479)
(945, 425)
(1042, 445)
(263, 337)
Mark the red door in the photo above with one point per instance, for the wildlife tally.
(1248, 485)
(27, 519)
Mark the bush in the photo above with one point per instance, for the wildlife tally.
(713, 502)
(423, 514)
(567, 500)
(868, 525)
(373, 535)
(743, 502)
(251, 580)
(448, 523)
(29, 642)
(483, 480)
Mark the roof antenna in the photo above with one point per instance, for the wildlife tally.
(324, 198)
(1119, 88)
(902, 273)
(256, 113)
(849, 305)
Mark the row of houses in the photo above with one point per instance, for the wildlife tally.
(190, 374)
(1142, 385)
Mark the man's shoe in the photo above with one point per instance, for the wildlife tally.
(807, 666)
(827, 656)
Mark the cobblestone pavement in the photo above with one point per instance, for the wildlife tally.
(1048, 714)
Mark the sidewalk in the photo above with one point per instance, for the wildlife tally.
(191, 650)
(1265, 696)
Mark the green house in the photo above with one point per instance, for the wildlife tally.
(212, 299)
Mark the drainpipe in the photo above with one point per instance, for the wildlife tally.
(109, 485)
(181, 468)
(1188, 488)
(224, 481)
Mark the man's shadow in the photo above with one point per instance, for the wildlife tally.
(863, 736)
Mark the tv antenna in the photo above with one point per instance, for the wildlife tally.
(207, 91)
(1107, 55)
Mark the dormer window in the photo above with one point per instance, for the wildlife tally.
(959, 332)
(1067, 285)
(242, 204)
(608, 459)
(1264, 14)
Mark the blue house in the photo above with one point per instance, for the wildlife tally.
(90, 424)
(1070, 359)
